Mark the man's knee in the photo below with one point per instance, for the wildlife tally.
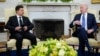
(29, 35)
(81, 28)
(18, 36)
(32, 37)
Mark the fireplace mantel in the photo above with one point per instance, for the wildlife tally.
(53, 7)
(49, 4)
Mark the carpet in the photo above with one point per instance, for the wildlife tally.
(25, 53)
(13, 53)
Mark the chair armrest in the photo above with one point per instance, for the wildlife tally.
(8, 34)
(33, 29)
(95, 34)
(6, 30)
(70, 32)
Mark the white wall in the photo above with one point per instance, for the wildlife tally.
(7, 4)
(93, 6)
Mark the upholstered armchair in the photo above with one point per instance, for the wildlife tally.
(11, 43)
(74, 40)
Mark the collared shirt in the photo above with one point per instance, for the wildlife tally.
(19, 19)
(85, 20)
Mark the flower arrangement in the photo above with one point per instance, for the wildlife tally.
(52, 47)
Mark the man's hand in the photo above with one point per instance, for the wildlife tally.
(18, 28)
(90, 31)
(77, 22)
(25, 28)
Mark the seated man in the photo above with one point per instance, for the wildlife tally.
(85, 27)
(19, 27)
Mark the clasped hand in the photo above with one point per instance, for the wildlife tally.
(89, 31)
(18, 28)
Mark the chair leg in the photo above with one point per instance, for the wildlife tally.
(92, 52)
(73, 46)
(28, 47)
(7, 50)
(97, 49)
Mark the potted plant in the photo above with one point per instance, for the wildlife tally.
(27, 1)
(66, 0)
(41, 0)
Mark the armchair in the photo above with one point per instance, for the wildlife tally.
(74, 40)
(11, 43)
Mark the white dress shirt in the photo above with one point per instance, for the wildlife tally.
(85, 20)
(19, 19)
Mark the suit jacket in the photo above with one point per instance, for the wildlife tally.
(91, 23)
(13, 22)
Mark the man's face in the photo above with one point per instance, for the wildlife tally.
(83, 9)
(20, 11)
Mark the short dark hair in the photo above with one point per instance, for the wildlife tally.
(18, 7)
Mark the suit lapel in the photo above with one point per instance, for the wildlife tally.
(16, 20)
(23, 19)
(79, 16)
(88, 20)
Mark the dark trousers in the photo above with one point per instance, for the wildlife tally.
(83, 41)
(19, 38)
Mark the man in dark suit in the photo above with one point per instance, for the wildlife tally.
(86, 25)
(19, 27)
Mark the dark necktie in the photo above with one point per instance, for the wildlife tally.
(20, 21)
(83, 21)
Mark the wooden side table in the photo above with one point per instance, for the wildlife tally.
(2, 46)
(2, 25)
(98, 24)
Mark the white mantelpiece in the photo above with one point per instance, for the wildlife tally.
(43, 3)
(51, 11)
(72, 6)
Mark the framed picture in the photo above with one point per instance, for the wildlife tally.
(96, 1)
(2, 0)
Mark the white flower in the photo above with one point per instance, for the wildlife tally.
(61, 52)
(63, 47)
(58, 44)
(46, 49)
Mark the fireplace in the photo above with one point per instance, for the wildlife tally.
(48, 28)
(49, 11)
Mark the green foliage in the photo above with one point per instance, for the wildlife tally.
(66, 0)
(54, 0)
(27, 0)
(52, 47)
(42, 0)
